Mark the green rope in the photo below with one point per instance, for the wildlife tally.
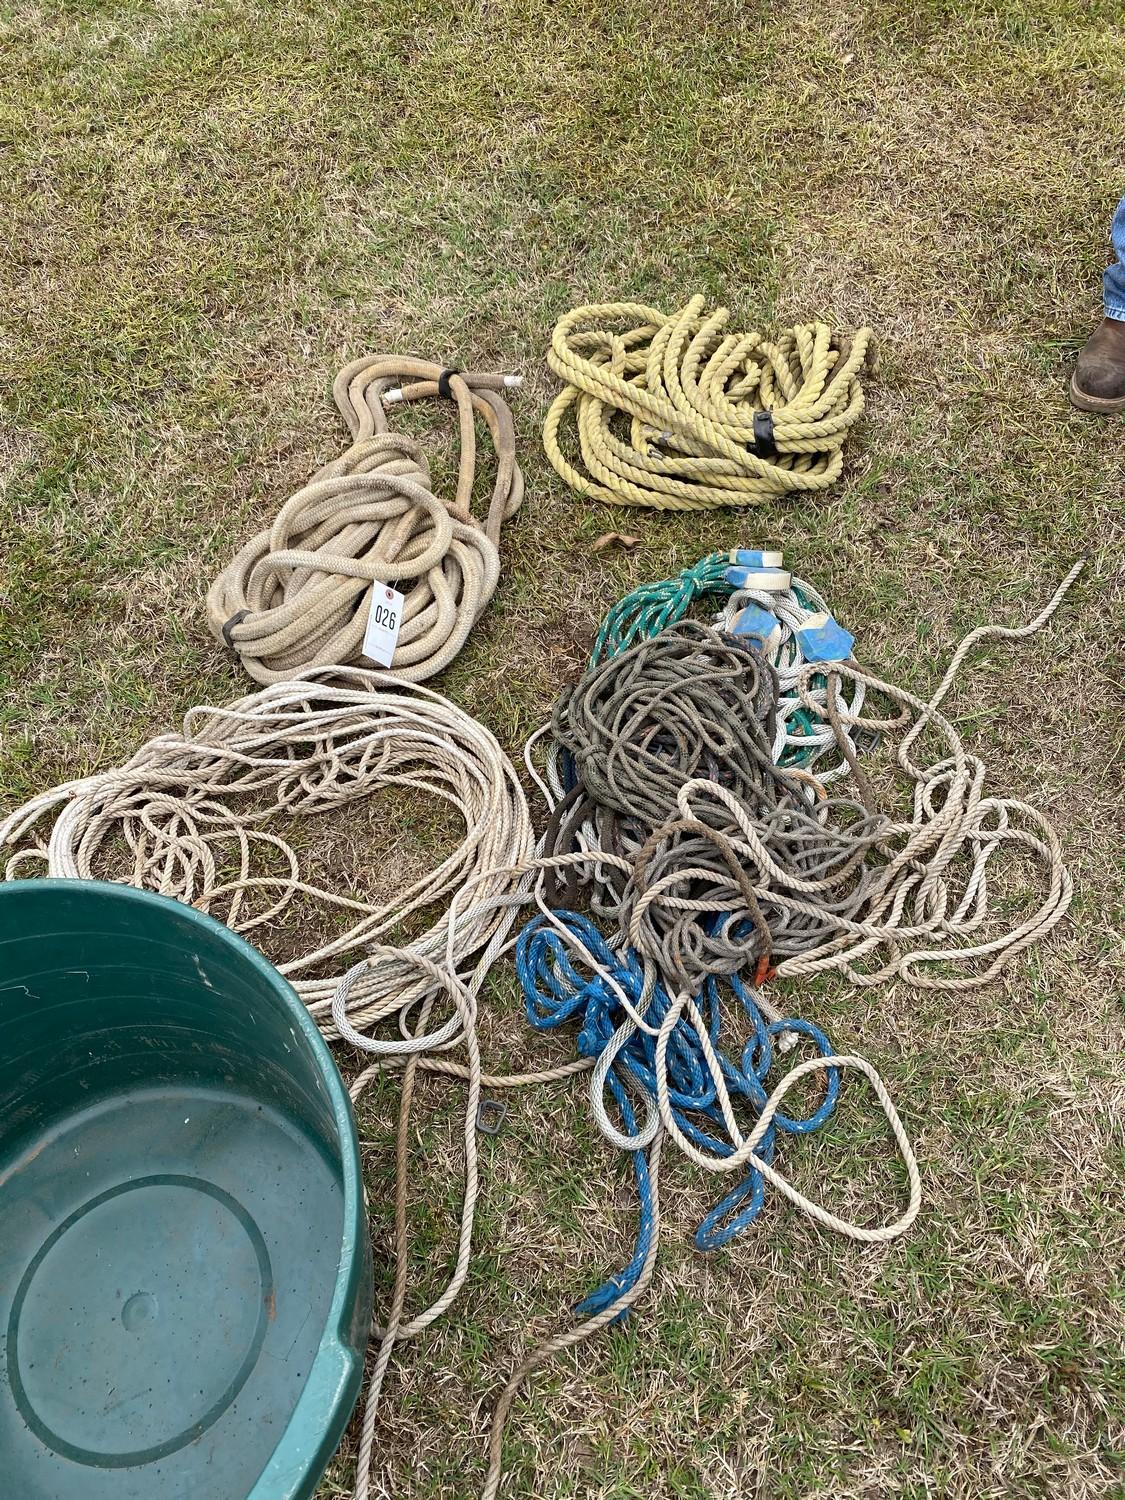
(652, 607)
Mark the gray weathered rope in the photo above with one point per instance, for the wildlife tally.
(824, 883)
(690, 703)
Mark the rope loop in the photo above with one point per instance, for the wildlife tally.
(666, 755)
(298, 594)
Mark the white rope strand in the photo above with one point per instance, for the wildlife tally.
(189, 807)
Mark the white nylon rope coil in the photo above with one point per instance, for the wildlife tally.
(189, 816)
(789, 663)
(298, 594)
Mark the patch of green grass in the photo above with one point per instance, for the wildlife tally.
(209, 208)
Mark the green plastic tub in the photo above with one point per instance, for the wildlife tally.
(185, 1278)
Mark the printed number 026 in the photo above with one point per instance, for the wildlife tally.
(385, 617)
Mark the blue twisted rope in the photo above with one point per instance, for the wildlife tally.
(555, 993)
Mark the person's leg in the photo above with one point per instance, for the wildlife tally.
(1115, 276)
(1098, 383)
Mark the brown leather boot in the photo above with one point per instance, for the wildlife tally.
(1098, 382)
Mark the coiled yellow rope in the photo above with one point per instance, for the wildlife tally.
(714, 417)
(298, 594)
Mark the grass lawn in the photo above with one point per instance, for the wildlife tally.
(209, 207)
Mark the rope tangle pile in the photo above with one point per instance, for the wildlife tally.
(694, 852)
(732, 855)
(714, 857)
(650, 1006)
(689, 810)
(661, 1046)
(720, 582)
(191, 815)
(298, 594)
(692, 705)
(750, 1156)
(682, 413)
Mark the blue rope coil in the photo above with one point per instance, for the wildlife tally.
(556, 993)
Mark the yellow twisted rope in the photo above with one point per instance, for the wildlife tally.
(690, 388)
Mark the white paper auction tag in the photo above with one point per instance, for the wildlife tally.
(383, 622)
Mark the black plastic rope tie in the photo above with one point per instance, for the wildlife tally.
(234, 620)
(490, 1116)
(764, 445)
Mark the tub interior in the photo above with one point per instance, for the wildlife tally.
(171, 1204)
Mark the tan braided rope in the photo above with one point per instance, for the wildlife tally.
(664, 407)
(298, 594)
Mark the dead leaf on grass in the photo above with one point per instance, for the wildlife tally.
(615, 539)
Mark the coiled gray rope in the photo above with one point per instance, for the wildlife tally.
(823, 883)
(686, 704)
(298, 594)
(462, 994)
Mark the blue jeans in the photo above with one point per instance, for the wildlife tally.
(1115, 276)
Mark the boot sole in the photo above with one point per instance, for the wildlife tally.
(1107, 406)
